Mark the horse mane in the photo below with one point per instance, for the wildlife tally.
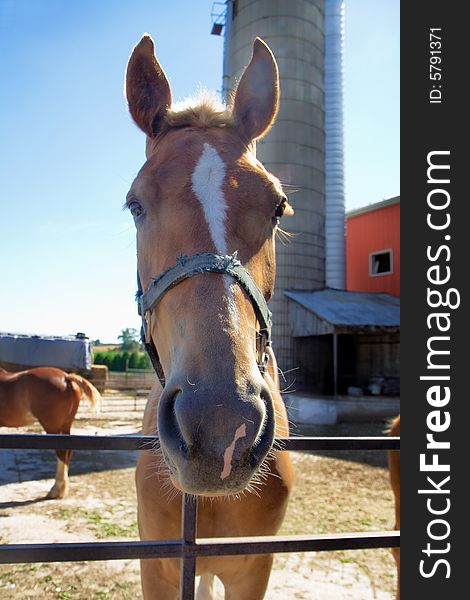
(202, 110)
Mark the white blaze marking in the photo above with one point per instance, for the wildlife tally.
(228, 454)
(207, 180)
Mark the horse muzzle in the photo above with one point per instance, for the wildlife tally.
(213, 440)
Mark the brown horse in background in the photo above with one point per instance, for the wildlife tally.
(394, 468)
(50, 396)
(203, 193)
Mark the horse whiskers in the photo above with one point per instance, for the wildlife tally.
(171, 493)
(156, 470)
(160, 470)
(289, 391)
(285, 237)
(251, 489)
(150, 444)
(290, 188)
(259, 480)
(278, 416)
(278, 445)
(284, 373)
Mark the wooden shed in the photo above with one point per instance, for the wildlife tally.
(345, 339)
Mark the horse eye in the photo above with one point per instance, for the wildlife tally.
(280, 211)
(135, 209)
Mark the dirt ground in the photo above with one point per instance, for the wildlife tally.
(335, 492)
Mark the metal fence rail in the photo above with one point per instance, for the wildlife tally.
(188, 548)
(42, 441)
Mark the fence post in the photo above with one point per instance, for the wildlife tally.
(188, 532)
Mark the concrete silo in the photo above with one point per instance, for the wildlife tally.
(294, 149)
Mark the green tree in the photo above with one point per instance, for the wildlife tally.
(130, 339)
(144, 361)
(134, 361)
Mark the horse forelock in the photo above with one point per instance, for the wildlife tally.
(202, 110)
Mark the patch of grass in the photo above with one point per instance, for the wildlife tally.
(63, 512)
(126, 589)
(69, 581)
(103, 527)
(6, 575)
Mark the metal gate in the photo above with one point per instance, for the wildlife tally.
(189, 547)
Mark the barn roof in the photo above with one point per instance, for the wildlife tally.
(373, 207)
(338, 311)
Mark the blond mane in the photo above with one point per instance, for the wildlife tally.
(201, 110)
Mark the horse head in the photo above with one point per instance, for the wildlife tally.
(202, 192)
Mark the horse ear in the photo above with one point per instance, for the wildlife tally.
(256, 98)
(147, 88)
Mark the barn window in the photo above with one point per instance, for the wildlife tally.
(381, 263)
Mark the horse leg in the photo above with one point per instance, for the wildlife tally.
(396, 551)
(394, 470)
(157, 583)
(250, 580)
(206, 588)
(60, 487)
(396, 556)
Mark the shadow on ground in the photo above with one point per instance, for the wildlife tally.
(374, 458)
(17, 466)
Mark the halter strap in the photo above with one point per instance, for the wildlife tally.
(188, 266)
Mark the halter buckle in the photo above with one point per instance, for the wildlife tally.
(147, 326)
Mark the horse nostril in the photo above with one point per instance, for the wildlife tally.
(171, 437)
(265, 439)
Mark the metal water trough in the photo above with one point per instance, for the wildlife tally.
(188, 547)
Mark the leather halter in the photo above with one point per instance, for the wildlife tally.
(188, 266)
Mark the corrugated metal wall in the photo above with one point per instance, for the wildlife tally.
(294, 149)
(335, 265)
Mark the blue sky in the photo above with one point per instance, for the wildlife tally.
(69, 150)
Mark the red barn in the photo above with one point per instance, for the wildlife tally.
(373, 248)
